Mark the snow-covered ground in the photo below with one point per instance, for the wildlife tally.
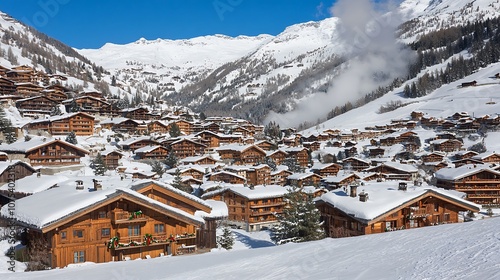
(454, 251)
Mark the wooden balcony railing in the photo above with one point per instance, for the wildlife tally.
(124, 217)
(268, 204)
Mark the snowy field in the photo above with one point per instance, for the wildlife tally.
(455, 251)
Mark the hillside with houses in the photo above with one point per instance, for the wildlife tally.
(141, 183)
(87, 178)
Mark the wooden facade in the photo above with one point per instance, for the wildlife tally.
(250, 214)
(241, 155)
(39, 105)
(152, 152)
(482, 185)
(81, 124)
(187, 148)
(52, 153)
(430, 208)
(14, 170)
(111, 159)
(127, 226)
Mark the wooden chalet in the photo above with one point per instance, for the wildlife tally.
(39, 151)
(7, 87)
(199, 160)
(4, 156)
(136, 143)
(184, 148)
(376, 152)
(446, 145)
(433, 157)
(278, 156)
(104, 225)
(241, 154)
(227, 177)
(251, 209)
(159, 126)
(214, 140)
(80, 123)
(465, 154)
(395, 171)
(152, 152)
(123, 125)
(479, 182)
(38, 105)
(383, 207)
(196, 172)
(488, 157)
(185, 126)
(15, 170)
(28, 89)
(255, 175)
(88, 104)
(326, 169)
(339, 180)
(280, 175)
(300, 154)
(111, 158)
(56, 92)
(304, 179)
(355, 164)
(142, 114)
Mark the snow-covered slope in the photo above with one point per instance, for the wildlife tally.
(175, 56)
(478, 101)
(454, 251)
(431, 15)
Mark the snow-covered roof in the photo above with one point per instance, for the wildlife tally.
(485, 155)
(43, 208)
(383, 197)
(33, 144)
(398, 166)
(133, 140)
(339, 178)
(60, 117)
(142, 183)
(34, 183)
(301, 176)
(115, 120)
(219, 210)
(147, 149)
(260, 192)
(462, 171)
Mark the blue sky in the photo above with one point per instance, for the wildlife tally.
(91, 23)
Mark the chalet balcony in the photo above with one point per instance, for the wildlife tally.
(269, 204)
(414, 213)
(154, 240)
(124, 217)
(483, 195)
(261, 213)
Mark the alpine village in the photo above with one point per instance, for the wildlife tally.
(86, 176)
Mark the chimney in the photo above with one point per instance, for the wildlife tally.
(354, 191)
(363, 196)
(79, 184)
(97, 184)
(403, 186)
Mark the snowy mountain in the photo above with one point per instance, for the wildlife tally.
(454, 251)
(251, 76)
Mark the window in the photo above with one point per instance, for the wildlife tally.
(134, 230)
(79, 256)
(159, 228)
(436, 207)
(102, 214)
(105, 232)
(63, 235)
(78, 233)
(446, 217)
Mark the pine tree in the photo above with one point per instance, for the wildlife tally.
(71, 138)
(300, 220)
(157, 167)
(174, 131)
(171, 159)
(55, 111)
(73, 107)
(178, 184)
(98, 165)
(226, 240)
(293, 165)
(10, 135)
